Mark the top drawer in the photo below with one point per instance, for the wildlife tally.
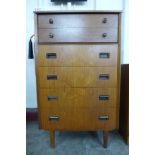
(82, 20)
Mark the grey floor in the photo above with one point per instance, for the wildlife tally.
(72, 143)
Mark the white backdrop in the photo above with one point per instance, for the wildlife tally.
(32, 5)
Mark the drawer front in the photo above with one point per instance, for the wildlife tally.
(78, 35)
(56, 77)
(77, 98)
(77, 55)
(78, 119)
(63, 21)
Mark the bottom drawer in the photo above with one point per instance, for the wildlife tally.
(78, 119)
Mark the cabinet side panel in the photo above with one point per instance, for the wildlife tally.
(36, 64)
(118, 68)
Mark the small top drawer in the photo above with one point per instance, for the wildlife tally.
(80, 20)
(73, 35)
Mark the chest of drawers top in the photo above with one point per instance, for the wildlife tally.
(64, 27)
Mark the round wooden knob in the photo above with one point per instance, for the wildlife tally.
(51, 21)
(51, 35)
(104, 20)
(104, 35)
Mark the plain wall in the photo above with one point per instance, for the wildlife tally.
(31, 99)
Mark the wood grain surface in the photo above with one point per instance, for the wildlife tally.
(77, 35)
(78, 98)
(77, 55)
(78, 119)
(72, 20)
(77, 77)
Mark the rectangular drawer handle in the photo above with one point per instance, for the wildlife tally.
(51, 56)
(104, 97)
(104, 76)
(51, 98)
(104, 55)
(53, 118)
(51, 77)
(103, 118)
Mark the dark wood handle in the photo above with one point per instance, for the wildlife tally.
(104, 20)
(51, 21)
(104, 35)
(104, 97)
(51, 35)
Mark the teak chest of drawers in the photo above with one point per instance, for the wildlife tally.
(77, 58)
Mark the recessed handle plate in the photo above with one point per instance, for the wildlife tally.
(51, 98)
(103, 118)
(104, 76)
(53, 118)
(104, 97)
(52, 77)
(104, 55)
(51, 56)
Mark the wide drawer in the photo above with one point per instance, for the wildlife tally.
(56, 77)
(77, 98)
(78, 119)
(77, 55)
(80, 20)
(77, 35)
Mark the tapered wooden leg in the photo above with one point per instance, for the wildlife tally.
(52, 137)
(105, 139)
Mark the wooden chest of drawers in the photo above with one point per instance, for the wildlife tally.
(77, 58)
